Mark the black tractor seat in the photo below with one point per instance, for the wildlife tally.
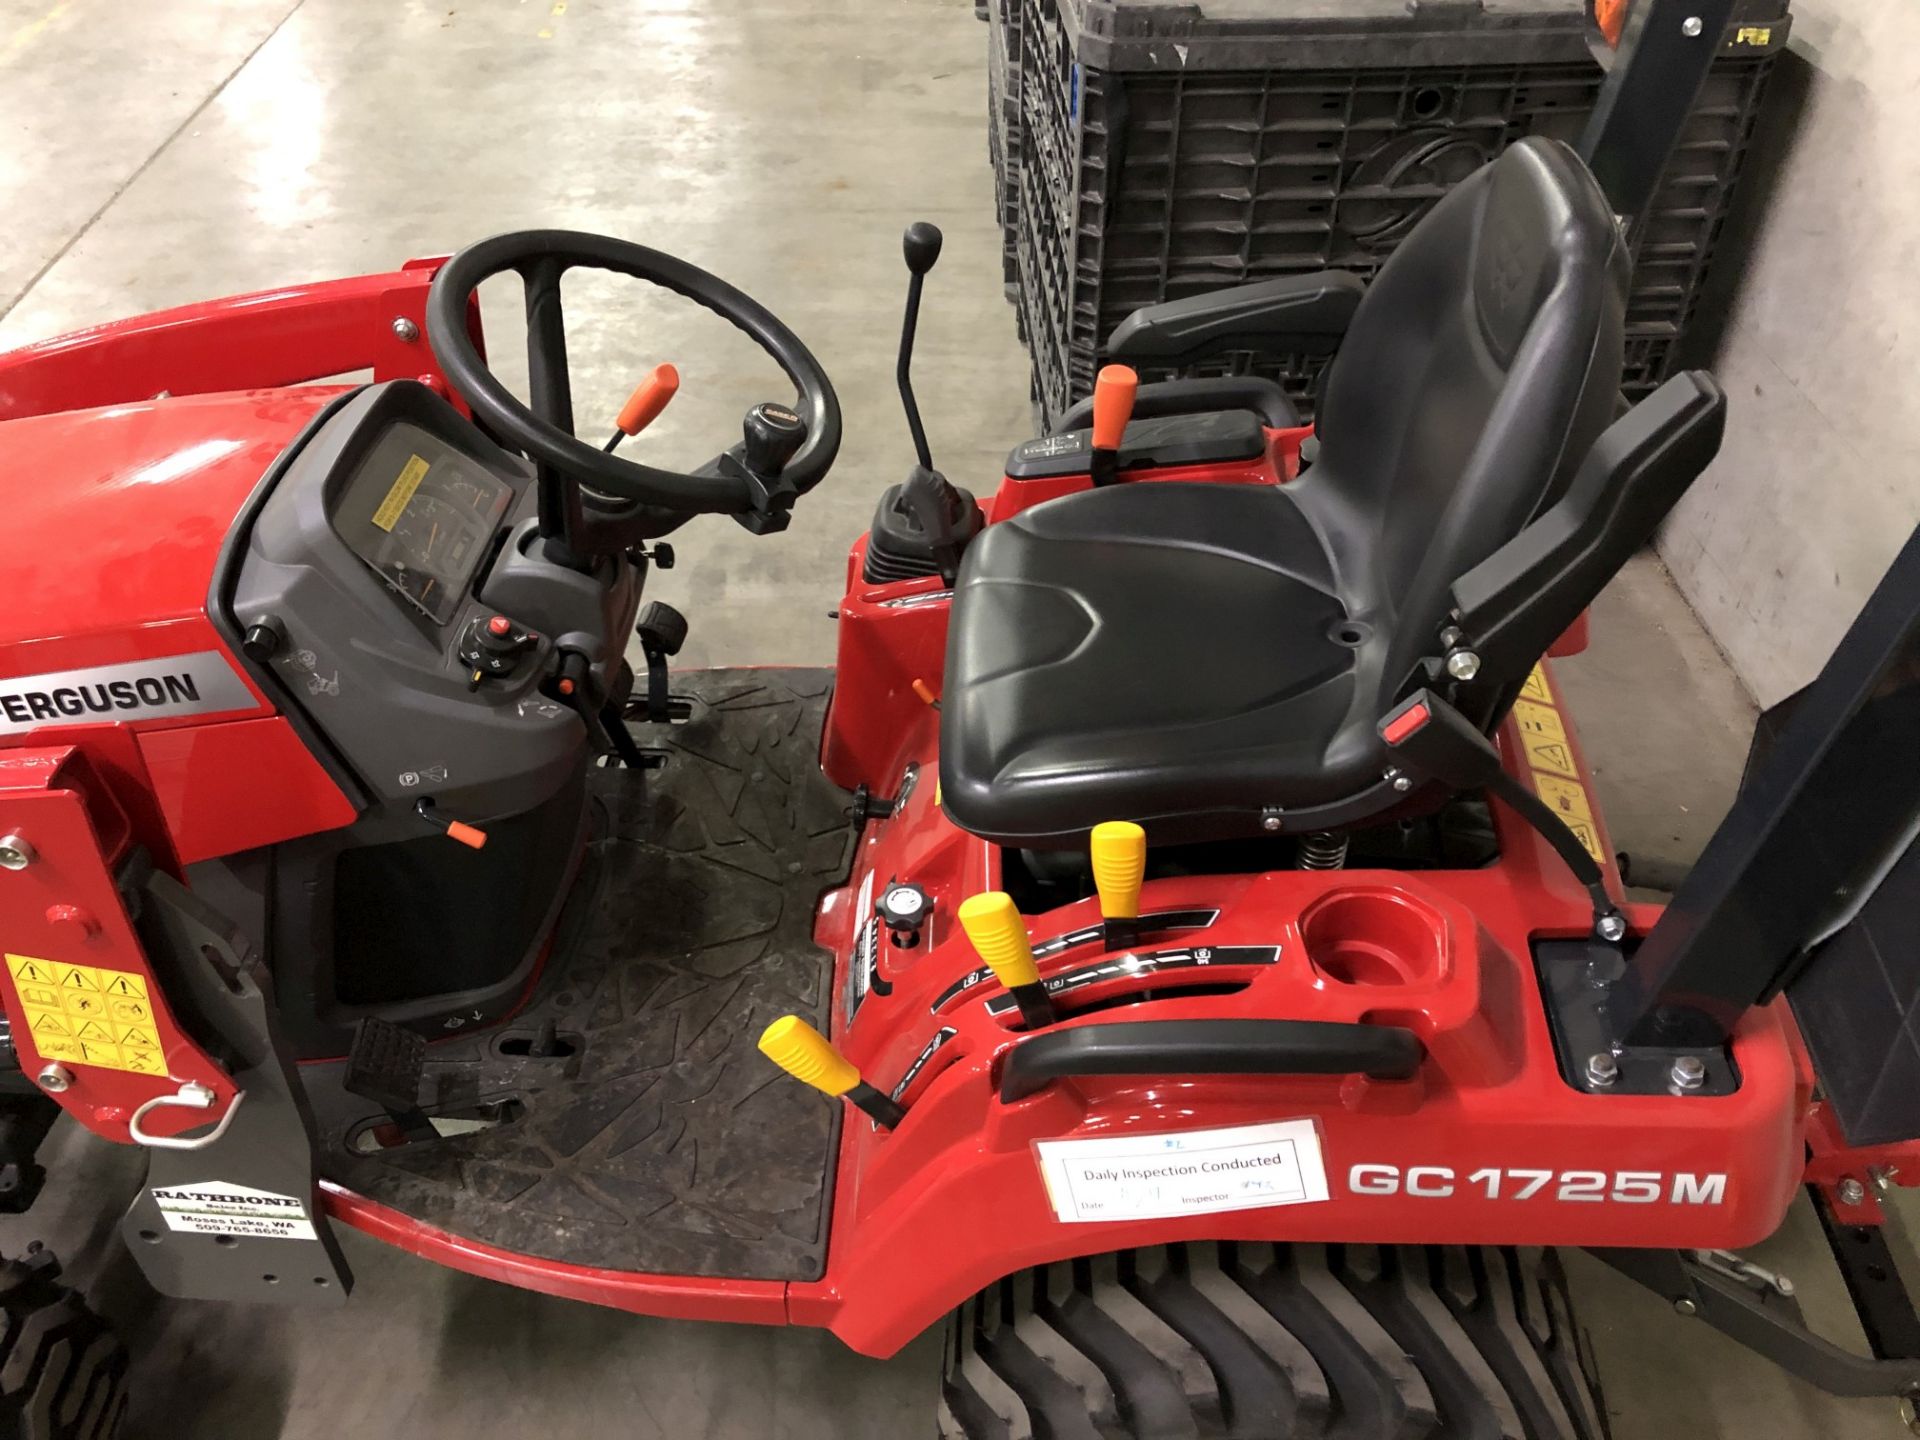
(1214, 660)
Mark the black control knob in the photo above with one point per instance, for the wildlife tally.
(921, 245)
(497, 635)
(773, 433)
(263, 639)
(904, 909)
(492, 647)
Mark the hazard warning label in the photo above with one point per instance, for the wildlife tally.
(217, 1207)
(82, 1015)
(1549, 750)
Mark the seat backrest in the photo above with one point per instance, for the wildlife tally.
(1481, 366)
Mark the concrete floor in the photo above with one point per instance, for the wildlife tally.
(151, 155)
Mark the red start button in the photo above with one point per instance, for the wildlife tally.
(499, 625)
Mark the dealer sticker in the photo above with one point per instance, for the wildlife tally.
(219, 1208)
(1191, 1172)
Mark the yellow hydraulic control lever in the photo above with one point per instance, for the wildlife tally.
(1119, 866)
(807, 1055)
(998, 932)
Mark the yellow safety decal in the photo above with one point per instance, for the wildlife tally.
(1549, 750)
(1553, 756)
(1753, 35)
(1534, 718)
(82, 1015)
(395, 504)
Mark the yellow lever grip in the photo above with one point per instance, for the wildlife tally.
(994, 925)
(807, 1055)
(1119, 865)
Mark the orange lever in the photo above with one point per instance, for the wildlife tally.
(1113, 392)
(649, 398)
(471, 836)
(466, 834)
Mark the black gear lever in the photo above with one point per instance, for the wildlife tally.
(921, 245)
(944, 516)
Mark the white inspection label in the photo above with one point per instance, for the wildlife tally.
(216, 1207)
(1190, 1172)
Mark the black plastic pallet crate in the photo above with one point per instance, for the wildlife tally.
(1167, 150)
(1003, 127)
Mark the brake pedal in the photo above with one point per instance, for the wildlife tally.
(386, 1065)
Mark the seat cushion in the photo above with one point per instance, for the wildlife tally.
(1172, 654)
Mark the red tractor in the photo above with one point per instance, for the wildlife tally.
(1187, 890)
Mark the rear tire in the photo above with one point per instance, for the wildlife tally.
(1274, 1342)
(63, 1372)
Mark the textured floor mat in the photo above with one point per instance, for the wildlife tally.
(666, 1142)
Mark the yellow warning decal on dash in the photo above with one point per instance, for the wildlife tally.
(81, 1015)
(1556, 778)
(395, 504)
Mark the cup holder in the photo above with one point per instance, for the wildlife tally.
(1373, 937)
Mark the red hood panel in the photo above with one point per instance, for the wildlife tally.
(115, 518)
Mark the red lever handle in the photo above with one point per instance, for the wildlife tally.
(649, 398)
(1113, 391)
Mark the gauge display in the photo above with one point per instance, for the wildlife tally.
(421, 514)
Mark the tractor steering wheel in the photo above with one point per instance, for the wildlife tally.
(544, 429)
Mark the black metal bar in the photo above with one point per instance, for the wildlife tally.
(1872, 1277)
(1765, 1321)
(1664, 55)
(1821, 820)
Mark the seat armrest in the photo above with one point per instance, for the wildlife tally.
(1267, 316)
(1198, 395)
(1514, 603)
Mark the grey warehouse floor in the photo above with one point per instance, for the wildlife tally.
(157, 154)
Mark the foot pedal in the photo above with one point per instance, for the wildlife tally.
(386, 1065)
(662, 631)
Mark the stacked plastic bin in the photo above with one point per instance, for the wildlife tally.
(1147, 151)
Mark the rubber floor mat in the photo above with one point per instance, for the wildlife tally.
(664, 1142)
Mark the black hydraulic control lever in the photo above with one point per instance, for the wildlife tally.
(1427, 736)
(946, 516)
(921, 244)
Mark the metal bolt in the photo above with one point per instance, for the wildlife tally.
(1852, 1192)
(55, 1078)
(1611, 926)
(1691, 26)
(1463, 664)
(1270, 818)
(1685, 1306)
(1602, 1068)
(1689, 1072)
(16, 853)
(1452, 636)
(1401, 783)
(405, 329)
(1783, 1285)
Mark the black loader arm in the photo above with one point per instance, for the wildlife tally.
(1514, 604)
(1294, 312)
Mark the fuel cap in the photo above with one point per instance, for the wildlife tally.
(903, 910)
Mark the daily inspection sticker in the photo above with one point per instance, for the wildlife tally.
(1190, 1172)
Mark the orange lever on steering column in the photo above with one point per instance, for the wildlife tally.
(1113, 391)
(649, 398)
